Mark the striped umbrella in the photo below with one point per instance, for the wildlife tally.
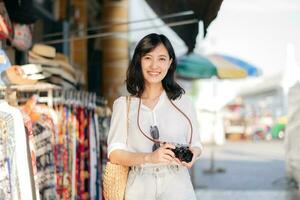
(195, 66)
(251, 69)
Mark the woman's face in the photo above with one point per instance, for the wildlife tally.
(155, 65)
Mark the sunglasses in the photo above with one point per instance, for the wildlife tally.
(155, 135)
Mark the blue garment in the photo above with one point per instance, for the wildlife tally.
(4, 63)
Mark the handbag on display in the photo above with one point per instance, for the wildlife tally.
(22, 39)
(115, 176)
(6, 28)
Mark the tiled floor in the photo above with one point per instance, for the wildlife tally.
(253, 171)
(247, 195)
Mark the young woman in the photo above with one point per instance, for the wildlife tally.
(159, 111)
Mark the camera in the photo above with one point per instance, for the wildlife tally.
(183, 153)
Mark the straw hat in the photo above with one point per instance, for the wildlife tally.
(60, 56)
(14, 75)
(61, 73)
(57, 80)
(34, 72)
(44, 50)
(46, 55)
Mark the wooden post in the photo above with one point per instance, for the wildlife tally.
(78, 48)
(114, 49)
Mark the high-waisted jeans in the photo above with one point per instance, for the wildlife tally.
(163, 182)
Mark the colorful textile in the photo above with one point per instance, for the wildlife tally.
(67, 149)
(21, 151)
(82, 156)
(43, 131)
(30, 136)
(9, 184)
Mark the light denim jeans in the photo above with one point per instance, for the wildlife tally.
(163, 182)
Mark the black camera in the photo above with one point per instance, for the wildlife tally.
(183, 153)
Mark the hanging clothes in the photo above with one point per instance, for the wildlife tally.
(73, 127)
(43, 132)
(99, 160)
(32, 153)
(93, 155)
(82, 157)
(21, 155)
(103, 122)
(8, 169)
(43, 129)
(61, 148)
(77, 147)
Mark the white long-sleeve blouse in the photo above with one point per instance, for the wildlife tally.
(172, 125)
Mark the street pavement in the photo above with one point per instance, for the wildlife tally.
(246, 170)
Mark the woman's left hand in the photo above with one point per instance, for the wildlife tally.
(196, 153)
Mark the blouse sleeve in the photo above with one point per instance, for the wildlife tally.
(117, 135)
(196, 141)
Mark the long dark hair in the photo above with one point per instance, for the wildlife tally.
(134, 78)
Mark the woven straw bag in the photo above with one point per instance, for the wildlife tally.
(115, 176)
(114, 181)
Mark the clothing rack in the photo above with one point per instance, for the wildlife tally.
(72, 129)
(51, 95)
(74, 97)
(16, 94)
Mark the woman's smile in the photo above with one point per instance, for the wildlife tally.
(153, 73)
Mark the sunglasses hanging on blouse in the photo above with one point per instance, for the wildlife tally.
(155, 135)
(154, 132)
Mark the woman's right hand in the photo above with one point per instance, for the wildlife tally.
(163, 154)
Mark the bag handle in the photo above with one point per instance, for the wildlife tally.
(158, 141)
(128, 99)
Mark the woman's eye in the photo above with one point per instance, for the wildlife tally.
(147, 58)
(162, 59)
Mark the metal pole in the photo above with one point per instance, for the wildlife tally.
(212, 169)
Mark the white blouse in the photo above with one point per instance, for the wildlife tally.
(172, 125)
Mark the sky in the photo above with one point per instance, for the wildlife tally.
(261, 32)
(257, 31)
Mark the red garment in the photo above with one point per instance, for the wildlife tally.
(82, 158)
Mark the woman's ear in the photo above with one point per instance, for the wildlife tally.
(170, 62)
